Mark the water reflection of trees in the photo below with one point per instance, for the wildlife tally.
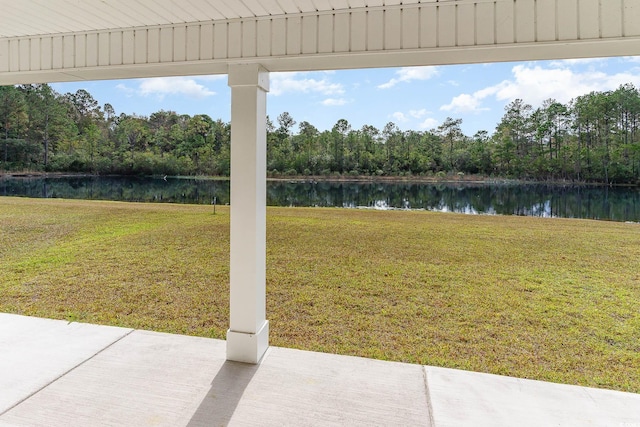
(612, 203)
(620, 204)
(122, 189)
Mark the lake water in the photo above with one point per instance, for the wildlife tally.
(606, 203)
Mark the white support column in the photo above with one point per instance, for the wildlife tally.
(248, 334)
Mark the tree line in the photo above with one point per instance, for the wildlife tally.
(593, 138)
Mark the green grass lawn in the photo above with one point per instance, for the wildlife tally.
(548, 299)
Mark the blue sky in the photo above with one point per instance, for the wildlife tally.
(418, 98)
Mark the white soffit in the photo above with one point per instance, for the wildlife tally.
(67, 40)
(21, 18)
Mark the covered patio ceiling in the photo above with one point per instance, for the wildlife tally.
(71, 40)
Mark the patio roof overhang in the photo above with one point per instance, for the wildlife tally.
(70, 40)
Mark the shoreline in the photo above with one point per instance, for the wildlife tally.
(360, 179)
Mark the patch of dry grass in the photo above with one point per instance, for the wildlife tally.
(548, 299)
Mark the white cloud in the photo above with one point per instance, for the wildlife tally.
(417, 114)
(488, 91)
(465, 103)
(128, 92)
(399, 116)
(162, 86)
(408, 74)
(334, 102)
(429, 123)
(535, 83)
(297, 82)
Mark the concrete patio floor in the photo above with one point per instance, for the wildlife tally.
(55, 373)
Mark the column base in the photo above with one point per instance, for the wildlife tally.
(248, 348)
